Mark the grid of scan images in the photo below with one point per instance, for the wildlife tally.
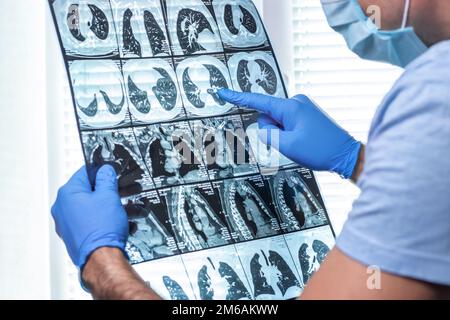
(144, 77)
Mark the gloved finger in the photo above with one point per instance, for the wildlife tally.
(269, 131)
(266, 122)
(106, 179)
(259, 102)
(79, 182)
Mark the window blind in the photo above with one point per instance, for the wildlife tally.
(348, 88)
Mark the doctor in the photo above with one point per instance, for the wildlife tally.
(400, 225)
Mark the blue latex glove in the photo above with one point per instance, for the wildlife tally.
(87, 220)
(307, 135)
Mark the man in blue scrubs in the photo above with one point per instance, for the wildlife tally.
(400, 225)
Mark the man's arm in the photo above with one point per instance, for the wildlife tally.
(109, 276)
(342, 278)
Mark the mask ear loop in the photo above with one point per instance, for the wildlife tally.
(406, 13)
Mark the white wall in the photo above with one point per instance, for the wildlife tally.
(24, 255)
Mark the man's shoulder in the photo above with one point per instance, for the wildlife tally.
(433, 64)
(425, 84)
(420, 98)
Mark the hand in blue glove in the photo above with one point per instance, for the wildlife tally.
(307, 135)
(87, 220)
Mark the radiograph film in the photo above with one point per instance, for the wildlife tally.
(141, 29)
(249, 213)
(213, 212)
(309, 249)
(169, 154)
(239, 24)
(200, 78)
(152, 90)
(256, 72)
(99, 94)
(118, 148)
(168, 277)
(218, 275)
(297, 206)
(270, 268)
(224, 147)
(86, 27)
(151, 236)
(192, 28)
(196, 216)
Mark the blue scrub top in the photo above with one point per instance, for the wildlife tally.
(401, 221)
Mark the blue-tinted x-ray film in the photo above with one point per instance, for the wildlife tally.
(213, 212)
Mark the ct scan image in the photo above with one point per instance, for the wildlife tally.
(249, 211)
(309, 249)
(168, 278)
(268, 158)
(270, 269)
(151, 236)
(196, 216)
(199, 80)
(297, 205)
(118, 148)
(99, 94)
(141, 29)
(152, 91)
(217, 274)
(239, 24)
(192, 27)
(170, 155)
(86, 28)
(256, 72)
(224, 147)
(213, 212)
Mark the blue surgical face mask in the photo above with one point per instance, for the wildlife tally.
(363, 37)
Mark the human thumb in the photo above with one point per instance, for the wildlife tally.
(106, 179)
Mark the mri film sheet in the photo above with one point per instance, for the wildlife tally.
(86, 28)
(168, 278)
(256, 72)
(296, 198)
(309, 249)
(151, 235)
(192, 27)
(270, 268)
(152, 91)
(199, 79)
(239, 24)
(249, 211)
(119, 149)
(141, 30)
(218, 274)
(196, 216)
(224, 147)
(99, 94)
(170, 155)
(213, 212)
